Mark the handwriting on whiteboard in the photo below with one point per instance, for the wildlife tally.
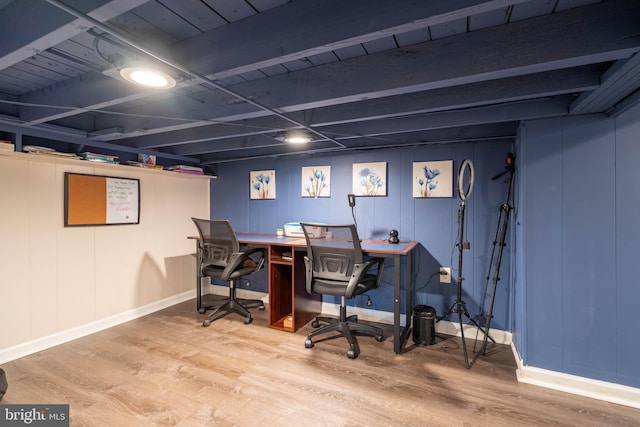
(122, 200)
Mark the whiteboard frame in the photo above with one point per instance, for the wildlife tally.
(134, 182)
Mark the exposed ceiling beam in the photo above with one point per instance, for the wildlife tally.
(65, 135)
(463, 59)
(21, 40)
(304, 14)
(519, 88)
(126, 39)
(483, 133)
(334, 24)
(363, 74)
(509, 112)
(618, 81)
(533, 36)
(88, 92)
(512, 111)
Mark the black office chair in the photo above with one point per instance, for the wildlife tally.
(335, 266)
(222, 259)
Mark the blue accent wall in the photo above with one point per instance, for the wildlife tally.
(431, 222)
(577, 262)
(570, 296)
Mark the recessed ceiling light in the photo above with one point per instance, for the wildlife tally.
(297, 139)
(148, 77)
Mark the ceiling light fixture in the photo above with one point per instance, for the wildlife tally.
(148, 77)
(297, 138)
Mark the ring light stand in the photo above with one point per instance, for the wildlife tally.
(459, 306)
(495, 260)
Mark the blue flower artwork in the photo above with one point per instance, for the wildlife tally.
(316, 181)
(433, 179)
(263, 184)
(369, 179)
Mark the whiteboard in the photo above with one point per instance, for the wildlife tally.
(100, 200)
(122, 201)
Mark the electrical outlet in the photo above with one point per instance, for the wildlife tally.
(445, 274)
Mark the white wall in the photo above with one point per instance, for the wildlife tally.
(55, 279)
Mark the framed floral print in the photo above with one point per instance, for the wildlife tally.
(433, 179)
(370, 179)
(263, 184)
(316, 181)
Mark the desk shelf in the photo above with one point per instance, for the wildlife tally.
(288, 297)
(280, 260)
(284, 324)
(281, 254)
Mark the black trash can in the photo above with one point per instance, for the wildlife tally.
(424, 325)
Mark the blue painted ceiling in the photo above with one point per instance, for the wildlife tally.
(355, 75)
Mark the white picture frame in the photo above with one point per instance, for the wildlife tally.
(316, 181)
(369, 179)
(433, 179)
(263, 184)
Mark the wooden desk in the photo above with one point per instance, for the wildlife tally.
(370, 247)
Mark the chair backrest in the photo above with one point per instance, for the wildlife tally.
(217, 241)
(333, 258)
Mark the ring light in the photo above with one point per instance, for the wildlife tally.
(462, 193)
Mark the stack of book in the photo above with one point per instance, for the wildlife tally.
(6, 145)
(193, 170)
(145, 165)
(35, 149)
(100, 158)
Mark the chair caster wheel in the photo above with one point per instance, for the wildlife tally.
(248, 320)
(202, 310)
(351, 354)
(308, 344)
(379, 338)
(261, 307)
(206, 323)
(315, 324)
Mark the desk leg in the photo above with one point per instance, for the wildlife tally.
(397, 340)
(408, 279)
(198, 278)
(401, 333)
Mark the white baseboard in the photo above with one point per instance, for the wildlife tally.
(12, 353)
(595, 389)
(471, 331)
(369, 315)
(442, 327)
(587, 387)
(601, 390)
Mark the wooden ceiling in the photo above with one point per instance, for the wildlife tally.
(354, 75)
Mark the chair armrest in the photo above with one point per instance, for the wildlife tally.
(308, 273)
(360, 270)
(238, 258)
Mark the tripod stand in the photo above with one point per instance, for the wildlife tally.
(495, 259)
(459, 305)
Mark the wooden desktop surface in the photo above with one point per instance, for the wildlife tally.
(377, 246)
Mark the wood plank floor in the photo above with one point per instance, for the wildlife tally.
(167, 370)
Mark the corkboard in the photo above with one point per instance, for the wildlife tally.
(100, 200)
